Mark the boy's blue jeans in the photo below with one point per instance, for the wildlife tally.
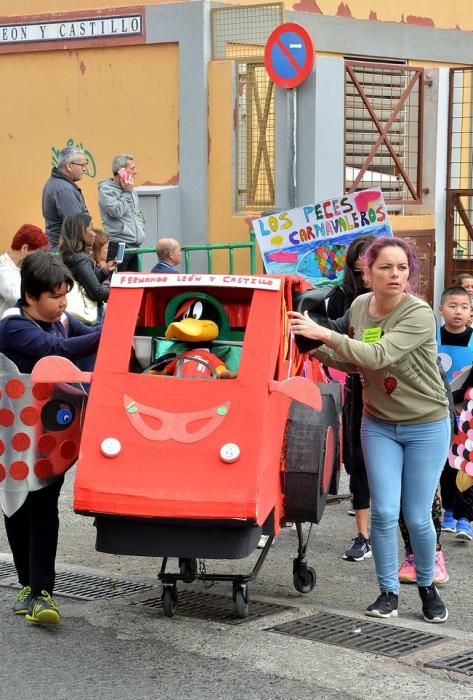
(403, 462)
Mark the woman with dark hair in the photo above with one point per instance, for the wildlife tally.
(76, 243)
(100, 247)
(353, 284)
(339, 302)
(389, 336)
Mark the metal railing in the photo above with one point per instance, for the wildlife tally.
(209, 249)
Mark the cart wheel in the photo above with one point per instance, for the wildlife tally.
(241, 601)
(170, 600)
(304, 583)
(188, 569)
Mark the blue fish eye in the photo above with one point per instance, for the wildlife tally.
(64, 416)
(58, 415)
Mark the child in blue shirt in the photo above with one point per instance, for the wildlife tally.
(455, 347)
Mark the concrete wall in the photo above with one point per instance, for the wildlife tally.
(188, 24)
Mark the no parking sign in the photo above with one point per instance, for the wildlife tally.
(289, 55)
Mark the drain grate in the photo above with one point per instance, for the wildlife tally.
(88, 587)
(461, 663)
(210, 606)
(7, 569)
(352, 633)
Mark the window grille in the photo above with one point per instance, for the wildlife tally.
(383, 129)
(460, 166)
(242, 32)
(255, 137)
(459, 221)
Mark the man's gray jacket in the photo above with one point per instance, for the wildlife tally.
(61, 196)
(121, 217)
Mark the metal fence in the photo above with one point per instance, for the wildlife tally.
(208, 250)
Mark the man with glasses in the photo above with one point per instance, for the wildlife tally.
(119, 208)
(61, 194)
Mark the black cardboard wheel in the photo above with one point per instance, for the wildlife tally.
(169, 600)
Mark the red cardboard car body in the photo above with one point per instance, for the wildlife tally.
(172, 430)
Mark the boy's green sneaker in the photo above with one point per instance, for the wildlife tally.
(43, 610)
(23, 601)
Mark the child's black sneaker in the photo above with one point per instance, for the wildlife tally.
(432, 605)
(360, 549)
(43, 610)
(385, 605)
(23, 601)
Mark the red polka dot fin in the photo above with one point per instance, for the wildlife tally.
(40, 430)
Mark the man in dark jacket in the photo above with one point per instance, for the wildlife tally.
(169, 255)
(61, 194)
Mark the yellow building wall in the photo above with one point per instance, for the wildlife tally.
(429, 13)
(110, 100)
(457, 14)
(10, 8)
(415, 222)
(223, 224)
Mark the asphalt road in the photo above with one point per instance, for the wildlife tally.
(111, 649)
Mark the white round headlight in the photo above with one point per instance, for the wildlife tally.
(110, 447)
(229, 453)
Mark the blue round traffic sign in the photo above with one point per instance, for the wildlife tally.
(289, 55)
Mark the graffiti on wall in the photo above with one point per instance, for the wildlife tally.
(91, 169)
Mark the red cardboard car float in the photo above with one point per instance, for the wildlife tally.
(205, 426)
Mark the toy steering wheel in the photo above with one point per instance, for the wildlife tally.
(179, 364)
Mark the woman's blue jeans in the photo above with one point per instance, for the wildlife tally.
(403, 463)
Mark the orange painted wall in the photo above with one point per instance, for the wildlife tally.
(457, 14)
(108, 99)
(223, 224)
(430, 13)
(30, 7)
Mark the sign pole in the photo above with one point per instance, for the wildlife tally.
(289, 55)
(292, 146)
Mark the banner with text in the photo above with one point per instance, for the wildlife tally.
(312, 241)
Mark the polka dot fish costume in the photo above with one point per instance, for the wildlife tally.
(40, 429)
(461, 452)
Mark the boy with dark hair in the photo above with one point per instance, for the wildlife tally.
(455, 347)
(39, 327)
